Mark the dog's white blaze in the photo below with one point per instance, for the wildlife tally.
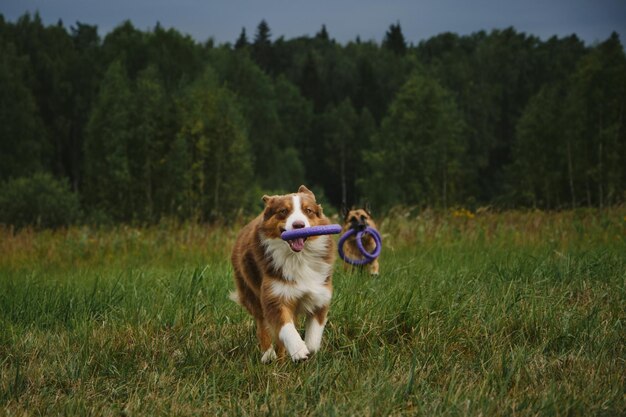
(296, 214)
(293, 342)
(313, 335)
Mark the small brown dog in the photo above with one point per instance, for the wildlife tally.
(278, 280)
(359, 219)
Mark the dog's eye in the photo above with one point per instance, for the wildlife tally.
(283, 212)
(309, 210)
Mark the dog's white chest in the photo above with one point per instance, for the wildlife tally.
(305, 272)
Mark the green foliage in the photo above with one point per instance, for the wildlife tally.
(85, 73)
(40, 201)
(22, 136)
(295, 114)
(416, 156)
(526, 122)
(127, 45)
(595, 108)
(215, 148)
(277, 120)
(107, 143)
(540, 151)
(57, 87)
(492, 77)
(151, 120)
(177, 57)
(570, 142)
(344, 135)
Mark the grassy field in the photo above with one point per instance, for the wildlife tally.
(516, 313)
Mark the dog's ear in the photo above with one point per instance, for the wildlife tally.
(267, 199)
(305, 190)
(368, 208)
(268, 211)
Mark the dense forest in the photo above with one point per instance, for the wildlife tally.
(142, 125)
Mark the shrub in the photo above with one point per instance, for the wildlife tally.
(40, 201)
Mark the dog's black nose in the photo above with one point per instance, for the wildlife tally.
(298, 224)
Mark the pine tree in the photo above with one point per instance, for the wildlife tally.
(263, 34)
(262, 47)
(242, 40)
(394, 40)
(322, 34)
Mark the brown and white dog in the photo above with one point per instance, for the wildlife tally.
(276, 280)
(359, 219)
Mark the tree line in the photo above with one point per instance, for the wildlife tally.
(145, 124)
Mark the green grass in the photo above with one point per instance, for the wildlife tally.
(500, 314)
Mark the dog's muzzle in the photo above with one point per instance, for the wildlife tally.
(358, 226)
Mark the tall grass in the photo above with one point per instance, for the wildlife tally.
(517, 313)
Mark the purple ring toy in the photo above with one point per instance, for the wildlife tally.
(369, 257)
(330, 229)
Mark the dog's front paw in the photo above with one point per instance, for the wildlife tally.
(269, 355)
(293, 342)
(301, 354)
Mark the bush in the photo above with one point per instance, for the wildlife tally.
(41, 201)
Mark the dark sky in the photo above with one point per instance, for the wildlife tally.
(591, 20)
